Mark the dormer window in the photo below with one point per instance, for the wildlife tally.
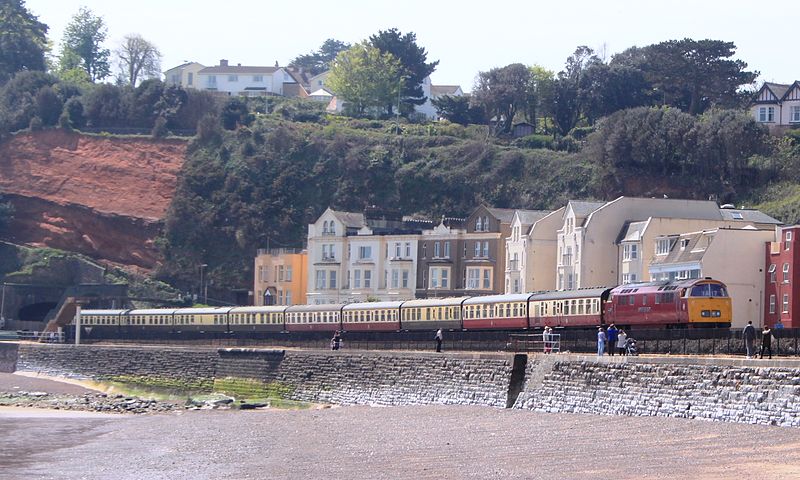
(684, 243)
(662, 246)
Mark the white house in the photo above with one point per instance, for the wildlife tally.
(777, 105)
(517, 246)
(184, 75)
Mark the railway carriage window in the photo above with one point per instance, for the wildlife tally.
(644, 299)
(632, 300)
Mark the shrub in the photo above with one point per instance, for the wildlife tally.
(534, 141)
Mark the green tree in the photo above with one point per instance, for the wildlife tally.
(365, 78)
(18, 103)
(6, 214)
(567, 106)
(459, 110)
(138, 59)
(691, 74)
(320, 60)
(414, 66)
(82, 45)
(23, 40)
(48, 106)
(503, 92)
(540, 95)
(605, 89)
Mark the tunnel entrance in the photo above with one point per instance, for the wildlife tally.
(35, 312)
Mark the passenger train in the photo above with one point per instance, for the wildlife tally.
(678, 304)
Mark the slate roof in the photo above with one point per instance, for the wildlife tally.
(583, 209)
(349, 219)
(631, 231)
(237, 70)
(755, 216)
(505, 215)
(688, 254)
(438, 90)
(529, 217)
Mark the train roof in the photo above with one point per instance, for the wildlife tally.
(569, 294)
(508, 297)
(372, 305)
(152, 311)
(325, 307)
(103, 312)
(434, 302)
(665, 285)
(202, 311)
(259, 309)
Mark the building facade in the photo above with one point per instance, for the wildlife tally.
(777, 105)
(781, 279)
(726, 254)
(280, 277)
(593, 240)
(518, 245)
(357, 257)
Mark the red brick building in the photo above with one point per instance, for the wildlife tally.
(783, 279)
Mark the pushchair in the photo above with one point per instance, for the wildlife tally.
(630, 347)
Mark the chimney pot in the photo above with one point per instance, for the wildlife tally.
(223, 63)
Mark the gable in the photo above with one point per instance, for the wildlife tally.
(793, 93)
(766, 95)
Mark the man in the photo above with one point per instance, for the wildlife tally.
(439, 340)
(612, 334)
(749, 336)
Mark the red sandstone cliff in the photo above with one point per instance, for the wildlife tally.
(101, 196)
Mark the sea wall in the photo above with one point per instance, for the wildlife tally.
(719, 389)
(726, 390)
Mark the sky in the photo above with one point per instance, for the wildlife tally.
(466, 37)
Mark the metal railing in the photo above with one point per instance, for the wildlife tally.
(535, 343)
(33, 336)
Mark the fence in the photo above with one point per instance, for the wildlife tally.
(717, 341)
(535, 343)
(33, 336)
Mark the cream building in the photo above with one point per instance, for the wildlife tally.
(355, 257)
(596, 241)
(734, 256)
(520, 269)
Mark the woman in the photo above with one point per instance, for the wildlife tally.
(622, 341)
(601, 341)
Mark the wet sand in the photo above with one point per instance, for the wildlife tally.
(431, 442)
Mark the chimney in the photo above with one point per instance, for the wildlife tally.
(223, 63)
(276, 64)
(238, 64)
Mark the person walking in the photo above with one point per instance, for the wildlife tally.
(749, 336)
(622, 341)
(336, 341)
(612, 334)
(438, 339)
(601, 341)
(766, 341)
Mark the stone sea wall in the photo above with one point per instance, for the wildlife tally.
(730, 391)
(719, 389)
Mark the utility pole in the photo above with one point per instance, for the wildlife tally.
(3, 307)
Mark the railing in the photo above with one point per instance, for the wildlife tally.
(32, 336)
(535, 343)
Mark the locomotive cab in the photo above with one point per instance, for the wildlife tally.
(707, 304)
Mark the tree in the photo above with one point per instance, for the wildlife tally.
(567, 95)
(48, 106)
(503, 92)
(691, 74)
(18, 103)
(82, 45)
(459, 110)
(365, 78)
(605, 89)
(6, 214)
(540, 95)
(23, 40)
(138, 59)
(320, 60)
(412, 59)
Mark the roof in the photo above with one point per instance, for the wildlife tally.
(152, 311)
(350, 219)
(434, 302)
(564, 294)
(505, 215)
(632, 231)
(102, 312)
(259, 309)
(320, 93)
(743, 215)
(181, 66)
(778, 89)
(690, 253)
(326, 307)
(202, 311)
(237, 69)
(583, 209)
(509, 297)
(371, 305)
(438, 90)
(529, 217)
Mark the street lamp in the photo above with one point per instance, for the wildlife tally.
(200, 293)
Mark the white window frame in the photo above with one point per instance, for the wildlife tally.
(447, 249)
(233, 78)
(320, 281)
(772, 302)
(405, 279)
(773, 278)
(785, 303)
(788, 240)
(786, 272)
(794, 115)
(367, 278)
(662, 246)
